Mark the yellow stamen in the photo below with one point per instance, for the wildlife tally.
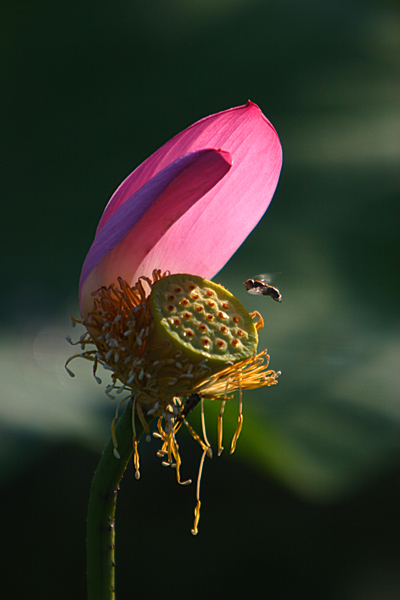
(240, 420)
(136, 460)
(195, 529)
(220, 428)
(203, 424)
(198, 504)
(260, 323)
(237, 433)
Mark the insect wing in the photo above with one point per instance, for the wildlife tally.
(267, 278)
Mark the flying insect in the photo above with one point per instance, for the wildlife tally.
(261, 285)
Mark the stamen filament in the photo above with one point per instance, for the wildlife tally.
(136, 460)
(203, 424)
(220, 428)
(195, 529)
(240, 421)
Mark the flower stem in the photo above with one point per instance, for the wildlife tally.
(100, 541)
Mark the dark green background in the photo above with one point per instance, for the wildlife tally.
(308, 505)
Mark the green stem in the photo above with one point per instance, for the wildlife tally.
(100, 541)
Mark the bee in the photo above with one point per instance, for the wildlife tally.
(261, 285)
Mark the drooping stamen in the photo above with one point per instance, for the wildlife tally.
(203, 424)
(240, 421)
(136, 460)
(220, 428)
(198, 504)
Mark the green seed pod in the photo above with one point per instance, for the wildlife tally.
(202, 320)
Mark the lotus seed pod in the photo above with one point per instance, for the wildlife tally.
(202, 320)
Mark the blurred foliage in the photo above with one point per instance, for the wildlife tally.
(89, 91)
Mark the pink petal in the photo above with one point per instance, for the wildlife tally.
(207, 235)
(131, 231)
(244, 131)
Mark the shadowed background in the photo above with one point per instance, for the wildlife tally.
(308, 505)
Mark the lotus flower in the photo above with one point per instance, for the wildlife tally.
(170, 337)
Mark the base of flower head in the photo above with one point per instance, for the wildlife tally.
(162, 381)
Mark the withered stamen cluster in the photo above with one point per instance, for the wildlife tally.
(162, 381)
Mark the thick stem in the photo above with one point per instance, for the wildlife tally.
(100, 541)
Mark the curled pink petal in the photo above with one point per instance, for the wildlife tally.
(137, 225)
(207, 235)
(241, 130)
(202, 233)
